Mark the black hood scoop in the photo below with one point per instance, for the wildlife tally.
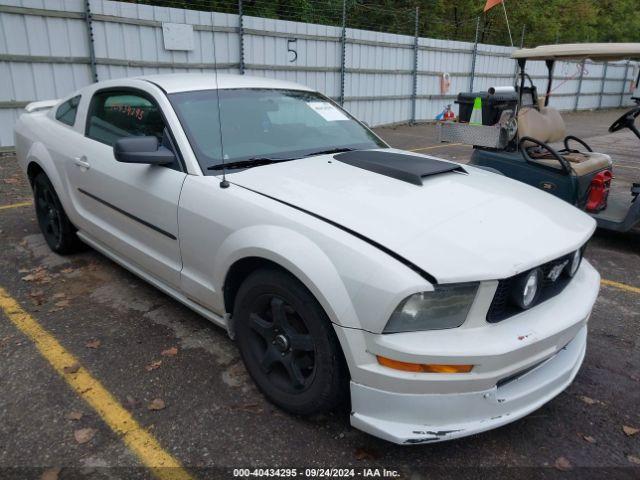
(408, 168)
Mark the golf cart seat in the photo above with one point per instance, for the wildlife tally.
(581, 163)
(540, 126)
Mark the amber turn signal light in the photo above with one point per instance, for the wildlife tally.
(423, 368)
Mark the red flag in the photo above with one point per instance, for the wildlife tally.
(491, 3)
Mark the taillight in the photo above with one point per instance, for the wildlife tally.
(599, 191)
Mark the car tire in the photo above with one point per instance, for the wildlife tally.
(58, 231)
(288, 344)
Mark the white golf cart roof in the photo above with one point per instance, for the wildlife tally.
(578, 51)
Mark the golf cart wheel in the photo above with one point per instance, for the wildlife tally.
(288, 344)
(56, 228)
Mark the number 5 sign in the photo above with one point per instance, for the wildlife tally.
(291, 48)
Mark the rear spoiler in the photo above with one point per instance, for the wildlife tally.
(43, 105)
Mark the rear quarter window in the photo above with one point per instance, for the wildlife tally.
(67, 112)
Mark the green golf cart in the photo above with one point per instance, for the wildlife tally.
(519, 126)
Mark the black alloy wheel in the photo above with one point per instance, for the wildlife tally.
(56, 228)
(288, 344)
(282, 343)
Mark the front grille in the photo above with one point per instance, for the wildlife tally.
(502, 307)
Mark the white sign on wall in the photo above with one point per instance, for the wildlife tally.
(177, 36)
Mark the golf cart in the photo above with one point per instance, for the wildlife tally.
(518, 126)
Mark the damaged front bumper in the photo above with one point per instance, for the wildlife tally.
(519, 364)
(425, 418)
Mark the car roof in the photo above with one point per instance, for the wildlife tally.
(188, 82)
(579, 51)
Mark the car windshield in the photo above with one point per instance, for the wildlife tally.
(266, 123)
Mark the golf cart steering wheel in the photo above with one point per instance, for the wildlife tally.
(626, 121)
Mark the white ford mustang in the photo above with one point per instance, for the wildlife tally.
(445, 299)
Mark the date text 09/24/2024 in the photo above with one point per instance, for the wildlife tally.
(328, 472)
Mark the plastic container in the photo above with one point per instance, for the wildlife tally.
(492, 105)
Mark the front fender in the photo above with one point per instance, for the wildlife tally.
(300, 256)
(357, 285)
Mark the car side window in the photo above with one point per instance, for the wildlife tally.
(117, 114)
(114, 115)
(66, 113)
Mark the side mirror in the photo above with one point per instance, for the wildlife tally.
(143, 150)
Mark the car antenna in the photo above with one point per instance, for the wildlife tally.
(224, 182)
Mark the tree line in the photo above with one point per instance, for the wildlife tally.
(544, 21)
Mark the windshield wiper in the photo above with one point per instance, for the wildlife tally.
(248, 163)
(331, 150)
(258, 161)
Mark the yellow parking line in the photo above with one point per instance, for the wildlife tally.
(15, 205)
(436, 146)
(621, 286)
(141, 442)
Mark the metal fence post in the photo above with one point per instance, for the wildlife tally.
(624, 82)
(575, 107)
(343, 45)
(414, 92)
(88, 20)
(475, 54)
(604, 79)
(241, 35)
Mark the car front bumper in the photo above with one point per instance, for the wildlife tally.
(520, 364)
(424, 418)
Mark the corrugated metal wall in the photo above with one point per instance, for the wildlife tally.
(44, 54)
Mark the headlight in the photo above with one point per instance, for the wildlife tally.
(574, 264)
(446, 307)
(526, 288)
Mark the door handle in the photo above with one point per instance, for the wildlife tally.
(81, 162)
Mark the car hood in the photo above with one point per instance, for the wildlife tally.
(456, 226)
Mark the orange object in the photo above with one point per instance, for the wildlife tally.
(421, 367)
(491, 3)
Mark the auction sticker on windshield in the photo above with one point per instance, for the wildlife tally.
(327, 111)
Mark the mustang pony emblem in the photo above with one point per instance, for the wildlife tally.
(556, 271)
